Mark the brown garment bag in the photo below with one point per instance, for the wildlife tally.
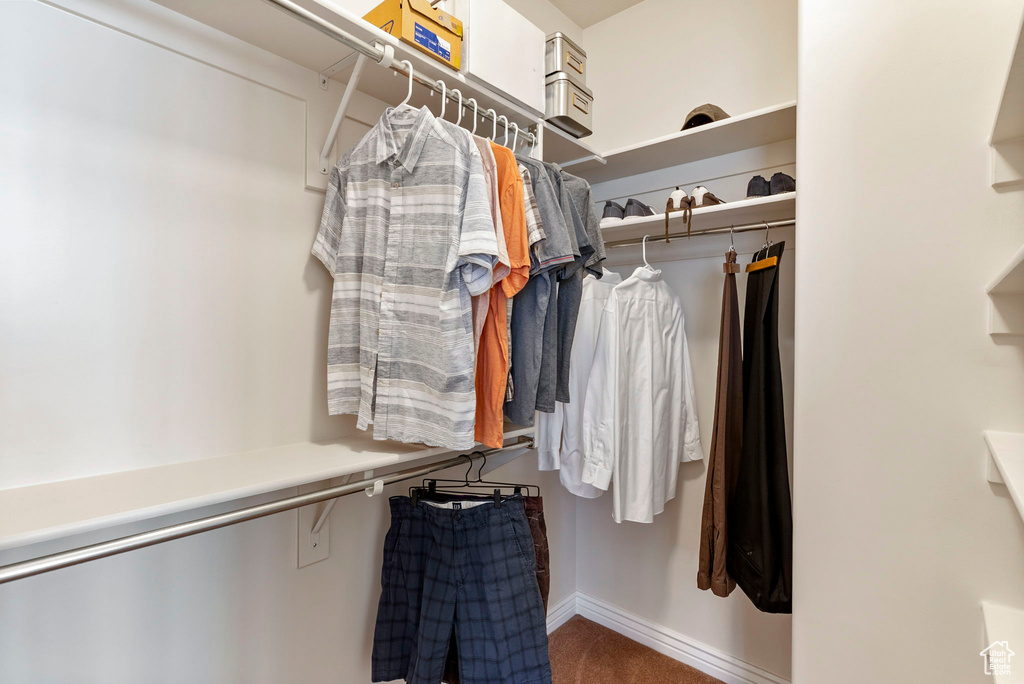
(725, 443)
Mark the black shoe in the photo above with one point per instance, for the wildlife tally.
(782, 183)
(758, 187)
(613, 210)
(635, 208)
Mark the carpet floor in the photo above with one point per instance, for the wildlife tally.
(584, 652)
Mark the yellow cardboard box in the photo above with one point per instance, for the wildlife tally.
(429, 30)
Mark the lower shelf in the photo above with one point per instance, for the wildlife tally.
(59, 509)
(773, 208)
(1004, 630)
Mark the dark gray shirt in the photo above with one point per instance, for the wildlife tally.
(530, 339)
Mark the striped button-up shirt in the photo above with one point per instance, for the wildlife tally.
(408, 236)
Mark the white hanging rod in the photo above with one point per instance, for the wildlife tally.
(384, 56)
(64, 559)
(745, 228)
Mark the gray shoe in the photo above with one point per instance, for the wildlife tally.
(613, 210)
(782, 183)
(758, 187)
(635, 207)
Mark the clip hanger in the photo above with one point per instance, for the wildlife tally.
(768, 261)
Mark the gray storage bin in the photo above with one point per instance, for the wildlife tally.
(568, 105)
(561, 54)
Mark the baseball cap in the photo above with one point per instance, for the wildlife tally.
(705, 114)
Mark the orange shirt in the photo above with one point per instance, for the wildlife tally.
(492, 357)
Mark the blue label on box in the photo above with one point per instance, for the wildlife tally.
(431, 41)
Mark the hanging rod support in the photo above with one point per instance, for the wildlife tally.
(84, 554)
(628, 242)
(332, 136)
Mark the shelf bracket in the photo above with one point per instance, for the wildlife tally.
(337, 67)
(314, 524)
(1006, 313)
(332, 136)
(1007, 163)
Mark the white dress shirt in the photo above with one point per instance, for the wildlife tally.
(559, 435)
(639, 416)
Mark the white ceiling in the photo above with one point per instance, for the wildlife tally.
(586, 13)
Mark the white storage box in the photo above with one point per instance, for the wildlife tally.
(502, 49)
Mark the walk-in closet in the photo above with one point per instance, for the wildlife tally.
(511, 342)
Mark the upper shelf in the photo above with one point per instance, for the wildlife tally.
(1010, 118)
(265, 26)
(773, 208)
(562, 148)
(736, 133)
(59, 509)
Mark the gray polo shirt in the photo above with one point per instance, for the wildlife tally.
(531, 340)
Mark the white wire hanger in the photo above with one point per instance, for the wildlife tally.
(505, 119)
(515, 138)
(458, 120)
(494, 127)
(644, 253)
(404, 104)
(476, 113)
(444, 97)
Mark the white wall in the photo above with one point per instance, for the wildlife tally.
(158, 303)
(155, 216)
(547, 17)
(654, 62)
(898, 535)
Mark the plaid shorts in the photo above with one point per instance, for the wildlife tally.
(471, 569)
(534, 506)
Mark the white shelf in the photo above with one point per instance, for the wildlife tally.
(265, 26)
(772, 208)
(1006, 298)
(736, 133)
(1010, 118)
(59, 509)
(1006, 451)
(1003, 623)
(1008, 131)
(562, 148)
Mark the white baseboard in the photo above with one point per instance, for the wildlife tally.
(560, 613)
(729, 669)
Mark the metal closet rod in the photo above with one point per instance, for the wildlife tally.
(64, 559)
(745, 228)
(377, 55)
